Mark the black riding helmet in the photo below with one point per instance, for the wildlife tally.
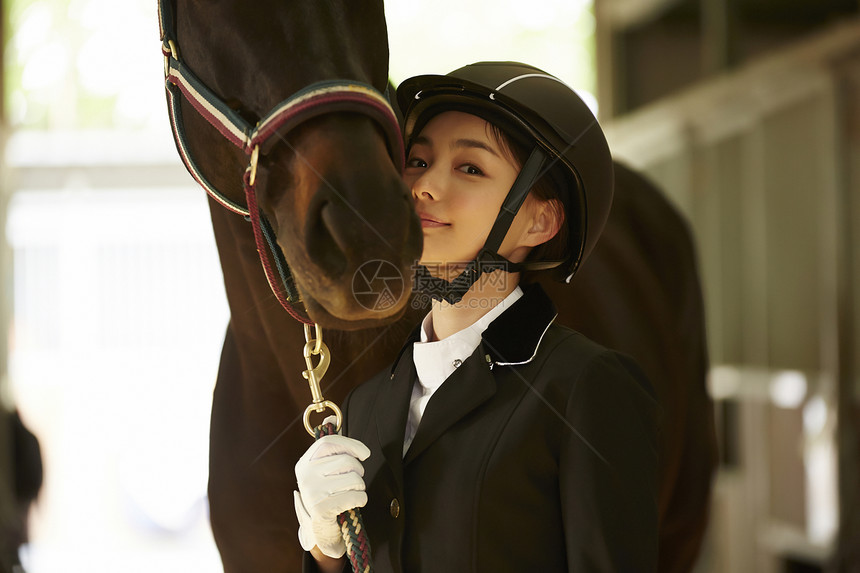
(566, 142)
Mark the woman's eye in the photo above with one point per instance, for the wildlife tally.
(416, 162)
(470, 169)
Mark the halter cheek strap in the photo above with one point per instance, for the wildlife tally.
(271, 256)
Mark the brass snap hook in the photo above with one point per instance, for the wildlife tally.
(314, 346)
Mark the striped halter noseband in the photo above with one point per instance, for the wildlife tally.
(316, 99)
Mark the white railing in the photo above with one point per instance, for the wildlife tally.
(118, 319)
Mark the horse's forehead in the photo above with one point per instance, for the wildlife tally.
(259, 52)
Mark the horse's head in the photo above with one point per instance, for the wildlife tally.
(328, 186)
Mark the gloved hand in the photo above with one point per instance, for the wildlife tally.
(330, 479)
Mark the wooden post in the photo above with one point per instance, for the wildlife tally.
(848, 324)
(607, 67)
(719, 36)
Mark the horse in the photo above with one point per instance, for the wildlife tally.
(331, 196)
(254, 55)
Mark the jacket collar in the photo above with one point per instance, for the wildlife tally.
(513, 338)
(529, 317)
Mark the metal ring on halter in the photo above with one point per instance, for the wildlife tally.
(255, 157)
(174, 52)
(321, 408)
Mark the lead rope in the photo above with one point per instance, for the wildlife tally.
(350, 521)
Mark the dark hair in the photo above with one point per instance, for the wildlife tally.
(544, 189)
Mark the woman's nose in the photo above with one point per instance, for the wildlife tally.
(425, 187)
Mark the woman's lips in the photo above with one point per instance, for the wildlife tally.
(428, 221)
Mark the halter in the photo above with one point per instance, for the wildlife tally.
(314, 100)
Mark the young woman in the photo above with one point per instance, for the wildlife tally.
(498, 441)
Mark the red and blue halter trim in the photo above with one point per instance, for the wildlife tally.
(314, 100)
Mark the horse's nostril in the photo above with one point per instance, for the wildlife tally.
(321, 241)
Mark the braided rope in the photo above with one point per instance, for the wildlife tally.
(351, 524)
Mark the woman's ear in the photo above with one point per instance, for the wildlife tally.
(546, 221)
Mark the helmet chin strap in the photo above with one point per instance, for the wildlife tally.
(488, 258)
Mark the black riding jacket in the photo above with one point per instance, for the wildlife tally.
(539, 453)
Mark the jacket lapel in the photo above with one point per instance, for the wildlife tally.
(468, 387)
(391, 410)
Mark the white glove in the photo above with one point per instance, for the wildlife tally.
(330, 479)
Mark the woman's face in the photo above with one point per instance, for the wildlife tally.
(459, 176)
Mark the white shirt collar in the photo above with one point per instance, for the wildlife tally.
(435, 361)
